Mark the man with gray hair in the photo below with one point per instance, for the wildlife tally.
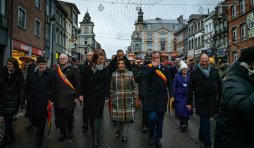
(175, 70)
(67, 83)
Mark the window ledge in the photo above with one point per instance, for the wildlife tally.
(243, 40)
(37, 36)
(21, 27)
(38, 8)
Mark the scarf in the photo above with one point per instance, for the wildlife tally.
(63, 67)
(97, 67)
(245, 65)
(205, 71)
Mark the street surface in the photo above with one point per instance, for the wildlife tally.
(172, 135)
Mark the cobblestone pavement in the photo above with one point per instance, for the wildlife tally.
(172, 136)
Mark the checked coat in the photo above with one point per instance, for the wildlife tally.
(123, 96)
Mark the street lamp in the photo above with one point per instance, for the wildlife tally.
(53, 22)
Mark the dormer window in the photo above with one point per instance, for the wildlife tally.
(86, 30)
(149, 27)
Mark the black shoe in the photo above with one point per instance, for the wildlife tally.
(151, 141)
(208, 146)
(73, 119)
(85, 127)
(158, 144)
(183, 128)
(125, 139)
(70, 134)
(96, 143)
(62, 137)
(118, 134)
(38, 143)
(144, 129)
(30, 125)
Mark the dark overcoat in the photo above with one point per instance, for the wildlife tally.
(173, 72)
(11, 90)
(95, 88)
(40, 90)
(156, 94)
(65, 95)
(234, 127)
(205, 91)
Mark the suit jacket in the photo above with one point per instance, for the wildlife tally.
(156, 94)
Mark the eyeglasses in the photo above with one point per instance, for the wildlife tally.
(41, 64)
(62, 59)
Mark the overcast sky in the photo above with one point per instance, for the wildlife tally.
(115, 24)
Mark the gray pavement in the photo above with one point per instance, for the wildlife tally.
(172, 136)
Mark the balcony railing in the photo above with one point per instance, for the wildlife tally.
(149, 39)
(3, 21)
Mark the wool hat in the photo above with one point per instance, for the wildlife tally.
(183, 65)
(41, 59)
(247, 56)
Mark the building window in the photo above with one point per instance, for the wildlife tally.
(137, 46)
(220, 10)
(60, 21)
(210, 28)
(162, 47)
(86, 41)
(192, 44)
(221, 26)
(38, 3)
(149, 27)
(235, 55)
(57, 16)
(74, 17)
(86, 51)
(176, 27)
(234, 35)
(63, 40)
(86, 30)
(37, 28)
(47, 32)
(225, 41)
(206, 28)
(74, 32)
(64, 23)
(149, 37)
(242, 7)
(233, 8)
(60, 38)
(22, 18)
(56, 36)
(243, 32)
(225, 25)
(3, 7)
(252, 3)
(149, 46)
(48, 8)
(216, 28)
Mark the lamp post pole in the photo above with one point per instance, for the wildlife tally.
(53, 22)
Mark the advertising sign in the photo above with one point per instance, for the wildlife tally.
(20, 46)
(250, 25)
(37, 51)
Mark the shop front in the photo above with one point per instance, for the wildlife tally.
(20, 49)
(222, 54)
(36, 53)
(209, 52)
(190, 56)
(198, 52)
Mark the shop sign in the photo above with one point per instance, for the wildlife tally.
(199, 51)
(37, 51)
(250, 26)
(221, 51)
(20, 46)
(190, 54)
(208, 51)
(83, 57)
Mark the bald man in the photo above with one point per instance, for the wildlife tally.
(89, 57)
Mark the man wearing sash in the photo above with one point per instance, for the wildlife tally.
(67, 83)
(158, 79)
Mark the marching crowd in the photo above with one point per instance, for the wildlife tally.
(225, 92)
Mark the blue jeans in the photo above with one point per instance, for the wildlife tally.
(156, 119)
(204, 130)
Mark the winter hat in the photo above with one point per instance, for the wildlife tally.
(178, 60)
(247, 56)
(183, 65)
(41, 59)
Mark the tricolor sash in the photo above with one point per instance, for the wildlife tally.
(159, 73)
(66, 81)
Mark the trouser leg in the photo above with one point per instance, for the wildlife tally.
(152, 121)
(41, 123)
(69, 116)
(8, 119)
(97, 123)
(62, 121)
(159, 125)
(205, 129)
(125, 128)
(119, 126)
(145, 117)
(56, 116)
(85, 114)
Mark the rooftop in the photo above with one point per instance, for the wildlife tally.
(159, 20)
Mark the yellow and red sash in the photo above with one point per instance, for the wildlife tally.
(64, 78)
(159, 73)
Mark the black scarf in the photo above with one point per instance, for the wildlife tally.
(13, 75)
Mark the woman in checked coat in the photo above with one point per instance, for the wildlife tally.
(123, 98)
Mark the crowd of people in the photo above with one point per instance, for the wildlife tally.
(225, 91)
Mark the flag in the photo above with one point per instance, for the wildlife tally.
(49, 117)
(137, 104)
(169, 105)
(110, 106)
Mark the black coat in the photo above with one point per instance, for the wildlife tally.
(40, 90)
(234, 128)
(65, 95)
(82, 69)
(142, 83)
(173, 72)
(95, 88)
(113, 66)
(205, 91)
(135, 69)
(11, 90)
(156, 96)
